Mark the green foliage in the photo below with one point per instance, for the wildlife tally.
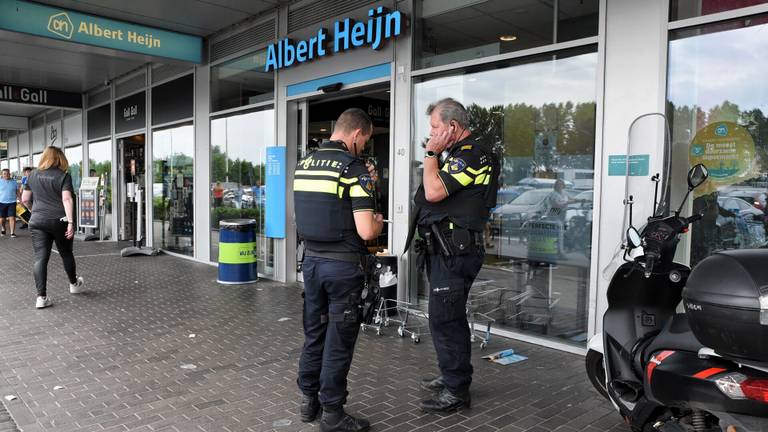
(221, 213)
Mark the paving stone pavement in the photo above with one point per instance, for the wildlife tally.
(111, 359)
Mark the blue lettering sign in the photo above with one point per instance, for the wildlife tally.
(381, 25)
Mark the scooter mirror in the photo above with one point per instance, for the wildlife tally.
(633, 237)
(697, 175)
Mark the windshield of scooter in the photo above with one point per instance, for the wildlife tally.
(645, 170)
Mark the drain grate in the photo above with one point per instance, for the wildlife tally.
(6, 422)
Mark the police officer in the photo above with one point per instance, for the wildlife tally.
(334, 205)
(452, 211)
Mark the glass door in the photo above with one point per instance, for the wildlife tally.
(302, 135)
(132, 178)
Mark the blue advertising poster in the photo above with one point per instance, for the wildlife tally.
(275, 193)
(638, 165)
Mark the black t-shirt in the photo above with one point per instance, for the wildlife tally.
(465, 174)
(47, 186)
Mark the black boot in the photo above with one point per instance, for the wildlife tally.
(309, 408)
(334, 419)
(446, 401)
(433, 384)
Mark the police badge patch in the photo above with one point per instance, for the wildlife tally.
(366, 182)
(456, 165)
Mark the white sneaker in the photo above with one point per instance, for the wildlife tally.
(78, 286)
(43, 302)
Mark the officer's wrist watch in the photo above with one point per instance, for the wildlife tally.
(430, 154)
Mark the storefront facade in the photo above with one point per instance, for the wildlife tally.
(554, 84)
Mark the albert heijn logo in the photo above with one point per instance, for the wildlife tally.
(60, 24)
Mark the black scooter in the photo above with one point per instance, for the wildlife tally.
(705, 370)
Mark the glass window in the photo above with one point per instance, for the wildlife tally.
(538, 241)
(4, 164)
(36, 159)
(173, 101)
(100, 165)
(75, 158)
(682, 9)
(172, 193)
(452, 31)
(238, 154)
(241, 82)
(99, 122)
(721, 123)
(14, 167)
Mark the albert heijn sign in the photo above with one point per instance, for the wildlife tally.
(38, 96)
(380, 26)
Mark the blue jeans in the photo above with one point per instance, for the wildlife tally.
(450, 279)
(331, 326)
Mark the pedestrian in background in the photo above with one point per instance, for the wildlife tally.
(27, 171)
(334, 197)
(451, 213)
(50, 194)
(9, 194)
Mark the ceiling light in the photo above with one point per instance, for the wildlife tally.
(323, 130)
(507, 38)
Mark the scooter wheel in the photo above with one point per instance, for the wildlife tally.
(596, 372)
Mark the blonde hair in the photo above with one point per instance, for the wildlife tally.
(53, 157)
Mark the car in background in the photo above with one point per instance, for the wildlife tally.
(740, 207)
(542, 183)
(509, 218)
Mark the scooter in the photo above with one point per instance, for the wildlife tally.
(703, 371)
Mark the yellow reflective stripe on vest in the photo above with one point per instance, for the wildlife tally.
(480, 179)
(357, 191)
(462, 178)
(317, 173)
(312, 185)
(237, 253)
(479, 171)
(346, 180)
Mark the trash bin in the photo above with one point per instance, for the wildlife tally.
(237, 251)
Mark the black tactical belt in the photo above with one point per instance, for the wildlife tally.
(339, 256)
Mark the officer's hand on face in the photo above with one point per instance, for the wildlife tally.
(439, 141)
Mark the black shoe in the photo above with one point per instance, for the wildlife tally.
(339, 421)
(309, 408)
(446, 401)
(433, 384)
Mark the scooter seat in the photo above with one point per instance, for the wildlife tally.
(675, 336)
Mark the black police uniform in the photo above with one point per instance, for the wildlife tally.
(329, 186)
(460, 218)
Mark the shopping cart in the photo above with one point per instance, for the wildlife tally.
(480, 306)
(410, 320)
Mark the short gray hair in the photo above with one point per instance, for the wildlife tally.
(450, 109)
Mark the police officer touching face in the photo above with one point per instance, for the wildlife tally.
(334, 206)
(451, 212)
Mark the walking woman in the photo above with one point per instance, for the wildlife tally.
(50, 195)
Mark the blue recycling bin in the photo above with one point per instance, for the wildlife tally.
(237, 251)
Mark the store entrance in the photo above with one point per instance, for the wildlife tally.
(132, 180)
(320, 118)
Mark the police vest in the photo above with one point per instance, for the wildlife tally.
(322, 201)
(468, 207)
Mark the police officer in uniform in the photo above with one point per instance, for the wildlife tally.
(451, 213)
(334, 206)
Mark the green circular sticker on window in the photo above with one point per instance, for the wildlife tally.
(727, 150)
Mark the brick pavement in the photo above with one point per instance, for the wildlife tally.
(111, 359)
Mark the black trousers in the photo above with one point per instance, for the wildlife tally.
(329, 338)
(450, 279)
(44, 234)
